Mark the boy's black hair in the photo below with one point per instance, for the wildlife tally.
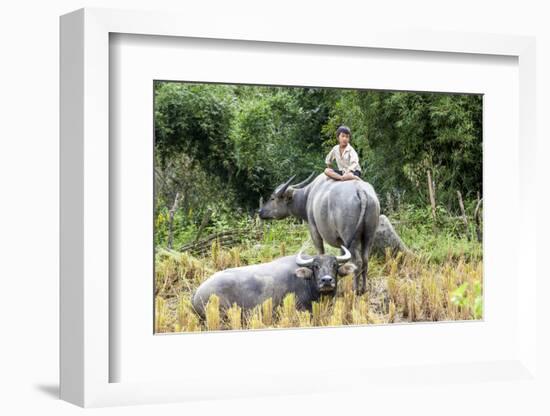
(343, 129)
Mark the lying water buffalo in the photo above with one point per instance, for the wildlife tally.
(342, 213)
(249, 286)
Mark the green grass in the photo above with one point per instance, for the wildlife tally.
(449, 239)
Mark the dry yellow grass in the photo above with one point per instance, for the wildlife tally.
(161, 317)
(234, 317)
(337, 315)
(187, 320)
(255, 320)
(360, 311)
(287, 314)
(213, 319)
(304, 319)
(267, 312)
(403, 289)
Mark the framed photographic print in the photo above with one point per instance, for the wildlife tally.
(232, 204)
(223, 157)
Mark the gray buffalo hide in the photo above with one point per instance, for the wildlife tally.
(387, 237)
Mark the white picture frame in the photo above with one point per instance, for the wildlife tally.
(85, 353)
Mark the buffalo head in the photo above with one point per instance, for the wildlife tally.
(324, 270)
(278, 204)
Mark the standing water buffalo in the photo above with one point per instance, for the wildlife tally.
(342, 213)
(250, 286)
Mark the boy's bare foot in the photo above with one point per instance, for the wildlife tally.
(348, 176)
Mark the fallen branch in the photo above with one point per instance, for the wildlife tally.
(226, 238)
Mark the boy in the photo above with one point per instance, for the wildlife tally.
(346, 158)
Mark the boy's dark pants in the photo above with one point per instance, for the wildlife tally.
(355, 172)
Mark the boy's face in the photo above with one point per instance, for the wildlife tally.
(343, 139)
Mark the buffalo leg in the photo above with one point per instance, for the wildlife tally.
(358, 260)
(367, 244)
(317, 239)
(365, 270)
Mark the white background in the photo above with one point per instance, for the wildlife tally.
(29, 209)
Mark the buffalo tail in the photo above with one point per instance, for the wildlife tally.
(364, 202)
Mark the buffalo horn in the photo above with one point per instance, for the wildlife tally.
(285, 185)
(344, 257)
(303, 262)
(304, 182)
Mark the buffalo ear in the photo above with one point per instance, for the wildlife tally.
(347, 268)
(288, 194)
(303, 273)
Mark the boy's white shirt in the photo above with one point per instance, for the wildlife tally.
(347, 162)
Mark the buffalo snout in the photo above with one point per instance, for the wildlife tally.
(327, 283)
(263, 214)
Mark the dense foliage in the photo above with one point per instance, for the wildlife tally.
(223, 147)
